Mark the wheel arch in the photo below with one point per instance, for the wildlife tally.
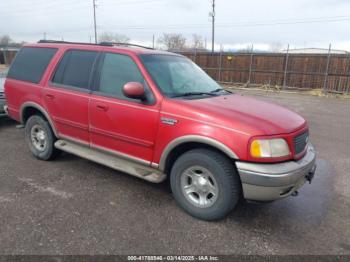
(30, 108)
(182, 144)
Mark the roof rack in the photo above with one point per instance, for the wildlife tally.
(101, 43)
(63, 42)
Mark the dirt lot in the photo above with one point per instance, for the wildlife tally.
(73, 206)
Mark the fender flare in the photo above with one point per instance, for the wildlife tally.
(42, 110)
(198, 139)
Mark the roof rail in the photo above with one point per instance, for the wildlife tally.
(101, 43)
(123, 44)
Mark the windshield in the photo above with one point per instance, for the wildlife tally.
(178, 76)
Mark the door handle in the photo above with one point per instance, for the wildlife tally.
(102, 107)
(50, 96)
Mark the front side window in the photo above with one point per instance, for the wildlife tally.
(75, 69)
(177, 76)
(116, 71)
(30, 63)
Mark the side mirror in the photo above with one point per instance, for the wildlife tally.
(134, 90)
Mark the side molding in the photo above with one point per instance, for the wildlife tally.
(198, 139)
(42, 110)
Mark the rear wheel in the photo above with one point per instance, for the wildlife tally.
(40, 138)
(205, 184)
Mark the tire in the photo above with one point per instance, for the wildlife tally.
(218, 172)
(40, 138)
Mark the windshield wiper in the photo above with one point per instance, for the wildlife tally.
(219, 90)
(194, 94)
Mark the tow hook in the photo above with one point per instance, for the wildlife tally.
(311, 174)
(295, 193)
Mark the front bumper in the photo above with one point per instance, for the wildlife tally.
(267, 182)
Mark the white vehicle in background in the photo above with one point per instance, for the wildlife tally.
(2, 95)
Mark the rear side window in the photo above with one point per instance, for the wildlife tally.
(30, 63)
(75, 69)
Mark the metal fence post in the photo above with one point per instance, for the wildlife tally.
(251, 65)
(347, 82)
(286, 68)
(220, 64)
(195, 56)
(5, 56)
(327, 68)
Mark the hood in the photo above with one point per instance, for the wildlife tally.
(246, 114)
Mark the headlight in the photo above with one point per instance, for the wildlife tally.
(276, 147)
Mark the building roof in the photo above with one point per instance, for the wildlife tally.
(9, 48)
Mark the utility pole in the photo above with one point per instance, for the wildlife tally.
(94, 5)
(212, 14)
(44, 35)
(153, 41)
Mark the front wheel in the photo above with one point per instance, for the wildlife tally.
(205, 184)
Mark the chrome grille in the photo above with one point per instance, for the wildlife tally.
(300, 142)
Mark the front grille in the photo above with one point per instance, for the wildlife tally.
(300, 142)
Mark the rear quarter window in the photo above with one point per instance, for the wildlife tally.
(30, 64)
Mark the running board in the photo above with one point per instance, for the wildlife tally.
(121, 164)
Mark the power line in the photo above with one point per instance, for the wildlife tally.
(51, 7)
(239, 24)
(134, 2)
(292, 20)
(34, 9)
(286, 23)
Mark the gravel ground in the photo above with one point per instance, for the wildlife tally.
(73, 206)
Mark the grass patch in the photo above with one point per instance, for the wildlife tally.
(277, 89)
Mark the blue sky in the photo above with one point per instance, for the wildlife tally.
(268, 23)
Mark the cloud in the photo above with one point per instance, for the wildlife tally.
(246, 22)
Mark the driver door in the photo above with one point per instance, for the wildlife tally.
(119, 124)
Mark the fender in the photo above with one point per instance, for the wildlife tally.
(194, 138)
(42, 110)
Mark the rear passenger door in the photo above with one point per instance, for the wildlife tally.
(68, 92)
(119, 124)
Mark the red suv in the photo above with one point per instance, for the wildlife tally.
(157, 115)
